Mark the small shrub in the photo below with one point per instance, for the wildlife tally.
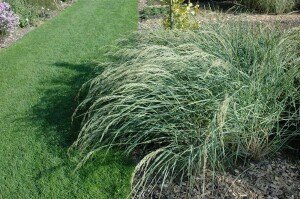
(181, 16)
(194, 101)
(271, 6)
(8, 19)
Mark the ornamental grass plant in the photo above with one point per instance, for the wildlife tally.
(194, 101)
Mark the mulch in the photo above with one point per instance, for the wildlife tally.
(268, 179)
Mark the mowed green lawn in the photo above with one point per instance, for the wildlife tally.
(40, 76)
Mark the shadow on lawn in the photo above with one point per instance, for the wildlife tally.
(58, 102)
(53, 114)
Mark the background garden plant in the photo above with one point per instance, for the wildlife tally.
(271, 6)
(180, 15)
(28, 13)
(153, 12)
(8, 19)
(31, 11)
(194, 101)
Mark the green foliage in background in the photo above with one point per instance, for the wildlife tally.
(51, 4)
(152, 12)
(28, 13)
(271, 6)
(194, 101)
(31, 11)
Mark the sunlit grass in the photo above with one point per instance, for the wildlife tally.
(40, 76)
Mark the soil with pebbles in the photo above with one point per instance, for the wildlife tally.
(269, 179)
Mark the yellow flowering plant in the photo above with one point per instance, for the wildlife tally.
(181, 16)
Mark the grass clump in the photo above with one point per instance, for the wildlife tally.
(271, 6)
(193, 101)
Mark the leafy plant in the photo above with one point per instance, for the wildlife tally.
(194, 102)
(28, 13)
(180, 15)
(8, 19)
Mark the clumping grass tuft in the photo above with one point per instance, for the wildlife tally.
(194, 101)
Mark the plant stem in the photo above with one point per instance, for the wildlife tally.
(171, 15)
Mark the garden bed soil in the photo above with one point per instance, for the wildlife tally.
(283, 21)
(13, 37)
(6, 41)
(268, 179)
